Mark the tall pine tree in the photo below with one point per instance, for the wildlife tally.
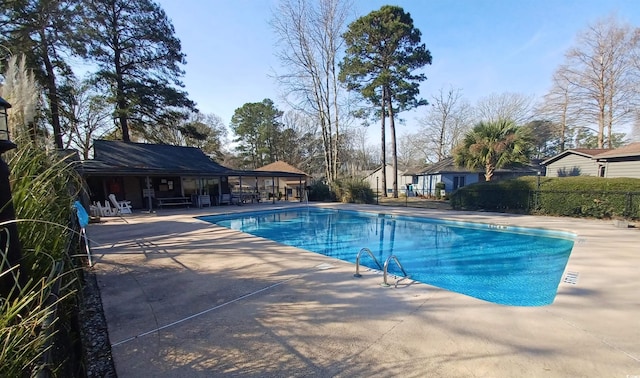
(383, 50)
(45, 31)
(139, 58)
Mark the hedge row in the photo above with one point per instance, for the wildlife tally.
(594, 197)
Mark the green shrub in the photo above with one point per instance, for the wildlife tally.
(507, 195)
(319, 191)
(595, 197)
(354, 191)
(582, 196)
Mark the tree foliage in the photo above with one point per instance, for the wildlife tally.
(258, 130)
(139, 57)
(206, 132)
(45, 31)
(383, 51)
(493, 145)
(544, 138)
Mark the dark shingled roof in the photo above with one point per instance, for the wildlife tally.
(112, 157)
(141, 158)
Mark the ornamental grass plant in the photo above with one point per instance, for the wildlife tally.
(44, 185)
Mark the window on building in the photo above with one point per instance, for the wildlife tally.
(601, 171)
(458, 182)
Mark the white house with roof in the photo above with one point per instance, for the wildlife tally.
(454, 177)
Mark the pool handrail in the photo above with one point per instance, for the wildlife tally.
(357, 274)
(386, 266)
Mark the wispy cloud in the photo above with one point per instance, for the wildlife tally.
(537, 36)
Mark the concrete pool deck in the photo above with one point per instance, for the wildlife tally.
(186, 298)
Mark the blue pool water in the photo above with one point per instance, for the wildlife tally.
(506, 265)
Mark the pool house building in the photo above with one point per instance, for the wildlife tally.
(158, 175)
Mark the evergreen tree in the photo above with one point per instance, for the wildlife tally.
(383, 51)
(45, 31)
(258, 130)
(134, 45)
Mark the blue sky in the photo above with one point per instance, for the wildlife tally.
(478, 46)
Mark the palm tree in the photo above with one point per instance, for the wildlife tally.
(493, 145)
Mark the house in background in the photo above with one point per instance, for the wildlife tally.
(573, 162)
(147, 174)
(455, 177)
(375, 179)
(447, 172)
(619, 162)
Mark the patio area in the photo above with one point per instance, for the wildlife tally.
(183, 297)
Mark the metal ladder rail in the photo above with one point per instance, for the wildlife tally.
(357, 274)
(386, 266)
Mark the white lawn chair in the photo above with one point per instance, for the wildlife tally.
(122, 207)
(106, 211)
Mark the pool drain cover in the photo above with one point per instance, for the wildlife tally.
(571, 278)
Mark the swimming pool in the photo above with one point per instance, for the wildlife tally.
(506, 265)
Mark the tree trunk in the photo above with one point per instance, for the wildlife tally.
(394, 151)
(121, 107)
(384, 144)
(488, 171)
(563, 129)
(52, 89)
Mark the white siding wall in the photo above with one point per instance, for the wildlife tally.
(426, 184)
(573, 165)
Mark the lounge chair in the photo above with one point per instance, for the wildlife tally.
(225, 199)
(106, 210)
(122, 207)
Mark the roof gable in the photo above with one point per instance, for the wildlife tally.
(281, 166)
(585, 152)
